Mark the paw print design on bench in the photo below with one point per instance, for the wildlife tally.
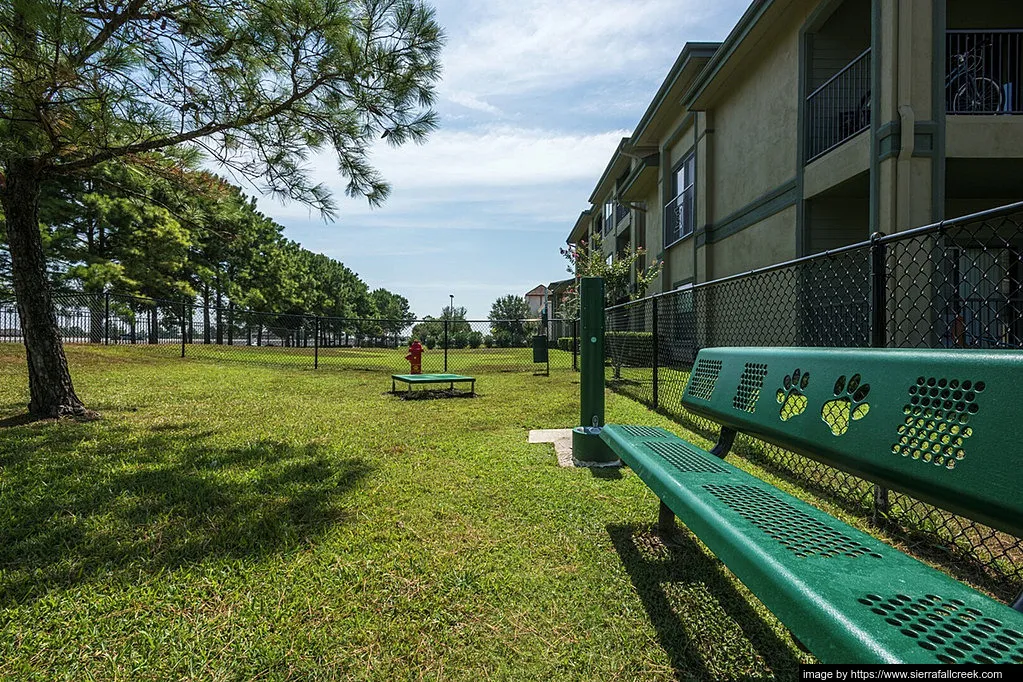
(849, 404)
(791, 397)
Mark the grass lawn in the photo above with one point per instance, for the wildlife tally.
(233, 521)
(391, 360)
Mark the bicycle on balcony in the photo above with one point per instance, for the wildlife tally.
(975, 92)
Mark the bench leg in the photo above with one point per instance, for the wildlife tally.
(1018, 604)
(725, 440)
(666, 523)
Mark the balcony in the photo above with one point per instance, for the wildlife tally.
(621, 213)
(678, 218)
(982, 72)
(839, 109)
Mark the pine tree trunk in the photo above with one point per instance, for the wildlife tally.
(51, 393)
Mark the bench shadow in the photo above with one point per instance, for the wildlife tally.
(663, 573)
(82, 504)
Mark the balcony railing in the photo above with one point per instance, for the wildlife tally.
(621, 212)
(982, 72)
(678, 218)
(839, 108)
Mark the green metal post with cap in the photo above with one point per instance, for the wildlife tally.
(587, 447)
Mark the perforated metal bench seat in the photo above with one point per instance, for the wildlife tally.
(922, 426)
(846, 595)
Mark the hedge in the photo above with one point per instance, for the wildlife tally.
(629, 349)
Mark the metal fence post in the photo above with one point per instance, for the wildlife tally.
(316, 343)
(878, 338)
(446, 346)
(575, 345)
(655, 348)
(183, 335)
(106, 319)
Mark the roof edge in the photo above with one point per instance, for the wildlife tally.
(749, 19)
(690, 51)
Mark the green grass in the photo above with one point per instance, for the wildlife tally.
(364, 359)
(233, 521)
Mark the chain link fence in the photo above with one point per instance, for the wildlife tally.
(956, 284)
(188, 330)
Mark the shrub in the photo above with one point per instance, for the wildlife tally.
(565, 343)
(460, 340)
(475, 339)
(488, 341)
(629, 349)
(430, 343)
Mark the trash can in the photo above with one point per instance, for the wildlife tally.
(539, 348)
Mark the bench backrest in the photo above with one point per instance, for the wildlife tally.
(944, 426)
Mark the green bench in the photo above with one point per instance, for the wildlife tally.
(937, 425)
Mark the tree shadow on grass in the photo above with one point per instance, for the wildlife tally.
(80, 504)
(707, 627)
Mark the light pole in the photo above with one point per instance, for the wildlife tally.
(452, 306)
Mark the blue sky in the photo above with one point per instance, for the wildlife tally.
(534, 99)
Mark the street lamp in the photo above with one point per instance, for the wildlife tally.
(452, 306)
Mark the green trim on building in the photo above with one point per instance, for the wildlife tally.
(726, 50)
(764, 206)
(924, 133)
(940, 21)
(875, 114)
(687, 120)
(802, 218)
(889, 140)
(701, 241)
(689, 52)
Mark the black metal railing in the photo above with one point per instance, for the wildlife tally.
(187, 329)
(956, 284)
(679, 218)
(621, 212)
(839, 109)
(982, 72)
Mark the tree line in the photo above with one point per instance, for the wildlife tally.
(181, 234)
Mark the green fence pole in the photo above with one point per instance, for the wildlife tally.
(587, 447)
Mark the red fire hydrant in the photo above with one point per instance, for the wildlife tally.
(415, 357)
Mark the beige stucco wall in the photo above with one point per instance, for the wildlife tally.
(678, 262)
(684, 145)
(984, 137)
(838, 165)
(755, 126)
(772, 240)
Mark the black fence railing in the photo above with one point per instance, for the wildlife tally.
(186, 329)
(982, 72)
(839, 108)
(957, 284)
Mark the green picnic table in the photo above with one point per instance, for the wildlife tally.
(450, 379)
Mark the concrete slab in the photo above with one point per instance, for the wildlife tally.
(562, 440)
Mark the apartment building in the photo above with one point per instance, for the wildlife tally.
(814, 124)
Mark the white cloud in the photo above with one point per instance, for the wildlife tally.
(513, 167)
(536, 45)
(472, 102)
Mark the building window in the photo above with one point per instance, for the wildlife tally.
(680, 213)
(609, 216)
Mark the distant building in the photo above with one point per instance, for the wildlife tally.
(535, 299)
